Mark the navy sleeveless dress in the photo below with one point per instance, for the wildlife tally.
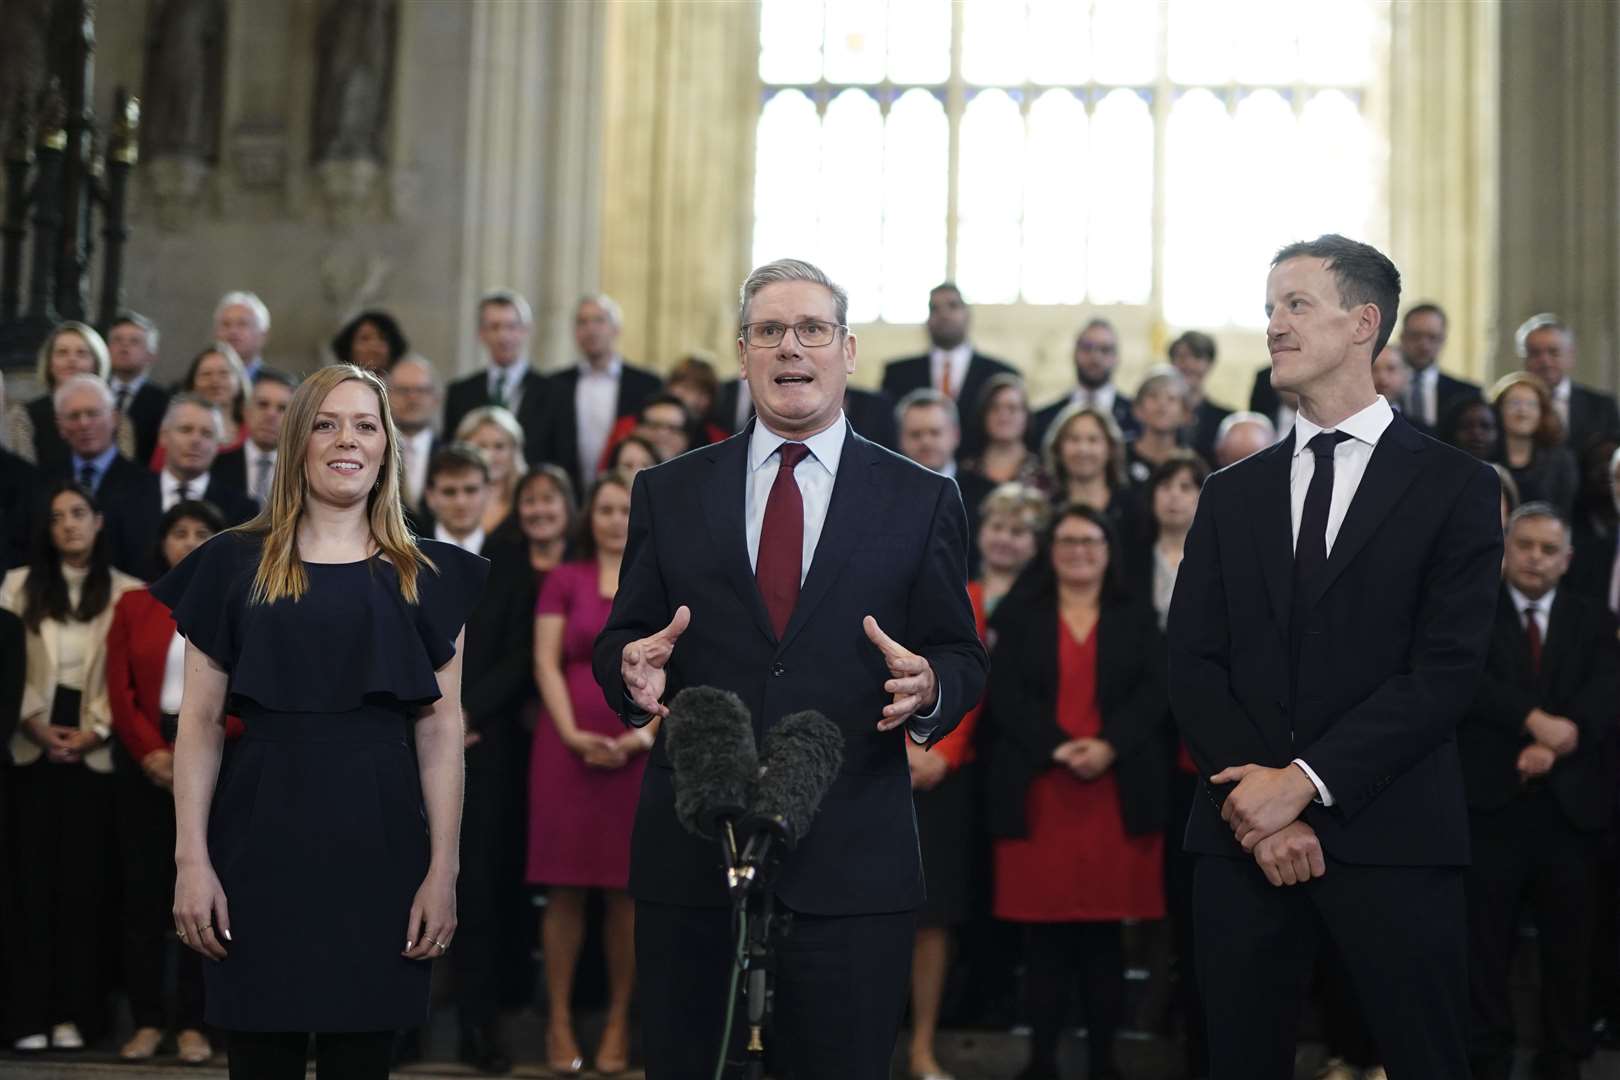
(318, 831)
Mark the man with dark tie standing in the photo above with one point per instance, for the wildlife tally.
(802, 567)
(504, 323)
(951, 365)
(1328, 631)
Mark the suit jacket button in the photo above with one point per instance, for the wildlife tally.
(778, 670)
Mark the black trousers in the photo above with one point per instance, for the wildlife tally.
(1401, 932)
(1344, 1029)
(1527, 853)
(64, 847)
(1053, 952)
(282, 1055)
(1179, 864)
(840, 989)
(144, 823)
(477, 959)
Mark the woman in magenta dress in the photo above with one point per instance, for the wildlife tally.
(1078, 793)
(584, 780)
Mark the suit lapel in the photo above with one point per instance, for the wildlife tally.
(853, 498)
(1274, 528)
(723, 499)
(1393, 467)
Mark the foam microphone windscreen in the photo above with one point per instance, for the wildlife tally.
(802, 757)
(709, 737)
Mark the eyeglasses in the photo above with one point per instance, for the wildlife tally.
(812, 333)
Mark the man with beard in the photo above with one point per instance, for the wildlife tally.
(1096, 355)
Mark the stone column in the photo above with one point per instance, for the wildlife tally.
(1444, 146)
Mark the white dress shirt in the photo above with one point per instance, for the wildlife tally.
(414, 451)
(953, 360)
(1350, 460)
(510, 381)
(1423, 396)
(127, 388)
(1560, 398)
(1540, 610)
(174, 676)
(814, 474)
(251, 457)
(1102, 397)
(472, 543)
(596, 407)
(170, 483)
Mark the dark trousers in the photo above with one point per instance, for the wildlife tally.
(1527, 853)
(64, 845)
(1400, 930)
(1179, 864)
(144, 823)
(1344, 1029)
(840, 990)
(1053, 952)
(481, 889)
(339, 1055)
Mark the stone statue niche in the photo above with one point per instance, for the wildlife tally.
(23, 26)
(185, 64)
(355, 69)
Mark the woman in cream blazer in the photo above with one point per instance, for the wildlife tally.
(63, 770)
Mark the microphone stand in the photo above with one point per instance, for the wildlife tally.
(753, 899)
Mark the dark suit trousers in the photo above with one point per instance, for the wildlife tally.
(64, 845)
(1401, 932)
(840, 990)
(145, 829)
(481, 889)
(1527, 853)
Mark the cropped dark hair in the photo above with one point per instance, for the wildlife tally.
(633, 440)
(1042, 578)
(1196, 342)
(387, 326)
(193, 509)
(1363, 274)
(456, 457)
(1428, 307)
(45, 592)
(1179, 461)
(266, 373)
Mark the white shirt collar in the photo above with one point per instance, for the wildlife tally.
(959, 355)
(1561, 391)
(1429, 374)
(1543, 606)
(587, 371)
(171, 485)
(132, 386)
(512, 374)
(825, 446)
(473, 542)
(1366, 426)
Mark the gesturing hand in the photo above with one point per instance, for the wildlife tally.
(1291, 856)
(1264, 800)
(911, 678)
(642, 664)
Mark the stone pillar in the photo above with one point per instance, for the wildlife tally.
(678, 161)
(1560, 177)
(1444, 147)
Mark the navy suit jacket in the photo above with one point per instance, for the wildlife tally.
(1043, 417)
(1398, 622)
(901, 377)
(893, 546)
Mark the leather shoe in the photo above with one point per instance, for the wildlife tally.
(481, 1047)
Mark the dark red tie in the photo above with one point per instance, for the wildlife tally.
(1532, 633)
(781, 541)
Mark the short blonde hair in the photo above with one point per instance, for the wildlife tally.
(1014, 499)
(88, 335)
(498, 415)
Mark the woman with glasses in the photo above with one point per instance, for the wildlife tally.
(1077, 792)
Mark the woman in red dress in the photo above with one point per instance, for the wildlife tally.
(944, 785)
(1077, 793)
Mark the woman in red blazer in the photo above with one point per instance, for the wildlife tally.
(145, 674)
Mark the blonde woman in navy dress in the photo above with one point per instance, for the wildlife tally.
(317, 870)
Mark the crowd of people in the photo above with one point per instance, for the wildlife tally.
(1049, 819)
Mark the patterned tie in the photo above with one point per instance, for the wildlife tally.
(781, 541)
(87, 475)
(261, 477)
(497, 390)
(1532, 635)
(122, 403)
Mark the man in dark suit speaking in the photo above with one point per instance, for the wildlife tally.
(1327, 632)
(802, 567)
